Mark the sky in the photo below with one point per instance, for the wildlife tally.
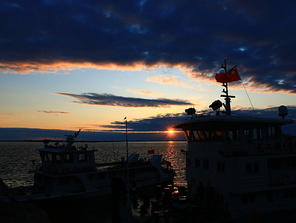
(69, 65)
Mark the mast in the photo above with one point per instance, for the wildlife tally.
(126, 145)
(225, 91)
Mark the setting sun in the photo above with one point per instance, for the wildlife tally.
(171, 131)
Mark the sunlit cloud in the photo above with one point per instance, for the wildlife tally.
(6, 93)
(114, 100)
(144, 92)
(6, 114)
(162, 79)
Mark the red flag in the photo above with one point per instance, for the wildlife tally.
(231, 75)
(151, 151)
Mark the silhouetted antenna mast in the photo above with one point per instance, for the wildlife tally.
(225, 91)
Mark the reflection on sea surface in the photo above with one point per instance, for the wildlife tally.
(15, 157)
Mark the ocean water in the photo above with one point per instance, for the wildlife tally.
(15, 157)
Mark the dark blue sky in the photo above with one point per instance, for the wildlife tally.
(257, 35)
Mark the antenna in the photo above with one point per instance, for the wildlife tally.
(225, 91)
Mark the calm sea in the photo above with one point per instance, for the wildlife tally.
(15, 157)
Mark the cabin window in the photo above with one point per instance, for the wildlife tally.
(290, 162)
(252, 167)
(188, 162)
(68, 158)
(233, 134)
(197, 163)
(219, 135)
(48, 157)
(58, 158)
(206, 164)
(289, 193)
(269, 196)
(248, 198)
(202, 135)
(190, 135)
(258, 133)
(82, 157)
(248, 133)
(187, 135)
(275, 164)
(196, 135)
(220, 166)
(271, 131)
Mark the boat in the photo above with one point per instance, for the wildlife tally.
(243, 167)
(70, 173)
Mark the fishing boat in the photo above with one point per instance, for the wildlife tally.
(243, 166)
(70, 173)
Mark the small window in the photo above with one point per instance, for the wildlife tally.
(197, 163)
(206, 164)
(269, 196)
(289, 193)
(58, 158)
(82, 157)
(248, 198)
(252, 167)
(68, 158)
(48, 157)
(220, 166)
(188, 162)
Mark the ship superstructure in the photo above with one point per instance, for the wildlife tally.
(240, 164)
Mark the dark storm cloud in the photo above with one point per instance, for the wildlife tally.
(114, 100)
(258, 36)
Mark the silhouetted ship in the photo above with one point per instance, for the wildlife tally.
(239, 166)
(70, 173)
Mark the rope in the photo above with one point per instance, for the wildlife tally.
(248, 97)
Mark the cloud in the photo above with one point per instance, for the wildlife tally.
(6, 93)
(114, 100)
(49, 36)
(144, 92)
(56, 113)
(162, 79)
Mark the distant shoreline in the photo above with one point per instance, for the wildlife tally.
(50, 140)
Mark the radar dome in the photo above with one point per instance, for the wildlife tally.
(282, 111)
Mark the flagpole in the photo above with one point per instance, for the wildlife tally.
(126, 145)
(128, 201)
(227, 97)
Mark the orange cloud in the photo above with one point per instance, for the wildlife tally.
(144, 92)
(55, 67)
(162, 79)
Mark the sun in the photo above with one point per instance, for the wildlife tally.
(171, 131)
